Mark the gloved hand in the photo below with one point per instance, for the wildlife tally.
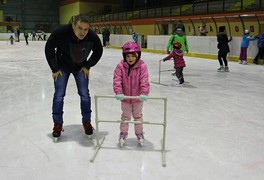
(163, 60)
(143, 97)
(56, 75)
(120, 97)
(85, 72)
(168, 51)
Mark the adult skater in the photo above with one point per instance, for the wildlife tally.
(67, 50)
(131, 78)
(178, 36)
(223, 47)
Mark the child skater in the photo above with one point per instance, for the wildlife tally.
(131, 79)
(179, 63)
(244, 46)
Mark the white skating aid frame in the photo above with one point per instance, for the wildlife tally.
(160, 71)
(97, 121)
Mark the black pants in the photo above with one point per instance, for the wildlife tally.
(26, 38)
(179, 73)
(259, 55)
(222, 58)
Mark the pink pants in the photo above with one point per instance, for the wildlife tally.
(128, 110)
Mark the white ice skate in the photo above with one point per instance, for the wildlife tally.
(122, 138)
(221, 69)
(141, 142)
(122, 142)
(141, 139)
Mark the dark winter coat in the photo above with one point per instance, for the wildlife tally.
(260, 40)
(64, 51)
(223, 40)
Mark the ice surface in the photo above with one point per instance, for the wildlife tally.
(215, 126)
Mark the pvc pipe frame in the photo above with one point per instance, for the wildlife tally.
(160, 74)
(97, 121)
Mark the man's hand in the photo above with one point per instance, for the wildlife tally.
(56, 75)
(85, 72)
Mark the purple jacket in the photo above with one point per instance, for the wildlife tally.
(177, 56)
(131, 81)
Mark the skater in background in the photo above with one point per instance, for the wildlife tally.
(18, 34)
(244, 46)
(67, 50)
(260, 54)
(135, 36)
(179, 63)
(26, 36)
(106, 37)
(203, 30)
(131, 78)
(11, 39)
(223, 47)
(178, 36)
(33, 34)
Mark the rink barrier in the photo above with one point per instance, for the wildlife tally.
(97, 121)
(160, 71)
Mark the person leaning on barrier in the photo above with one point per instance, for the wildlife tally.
(260, 54)
(67, 50)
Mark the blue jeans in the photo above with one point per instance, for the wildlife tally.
(83, 91)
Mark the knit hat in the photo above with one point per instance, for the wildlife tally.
(221, 28)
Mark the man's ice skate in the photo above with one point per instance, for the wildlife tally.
(141, 139)
(122, 138)
(57, 131)
(88, 128)
(226, 69)
(240, 62)
(221, 69)
(245, 62)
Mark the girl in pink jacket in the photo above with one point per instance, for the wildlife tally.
(131, 79)
(179, 63)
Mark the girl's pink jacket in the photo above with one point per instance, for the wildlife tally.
(131, 81)
(177, 56)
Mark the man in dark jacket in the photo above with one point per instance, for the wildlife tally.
(223, 47)
(67, 51)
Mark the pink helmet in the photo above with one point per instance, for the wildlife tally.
(131, 47)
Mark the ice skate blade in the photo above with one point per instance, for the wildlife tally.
(121, 142)
(90, 136)
(56, 139)
(141, 142)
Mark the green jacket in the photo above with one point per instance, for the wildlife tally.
(177, 38)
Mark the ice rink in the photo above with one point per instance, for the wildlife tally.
(215, 123)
